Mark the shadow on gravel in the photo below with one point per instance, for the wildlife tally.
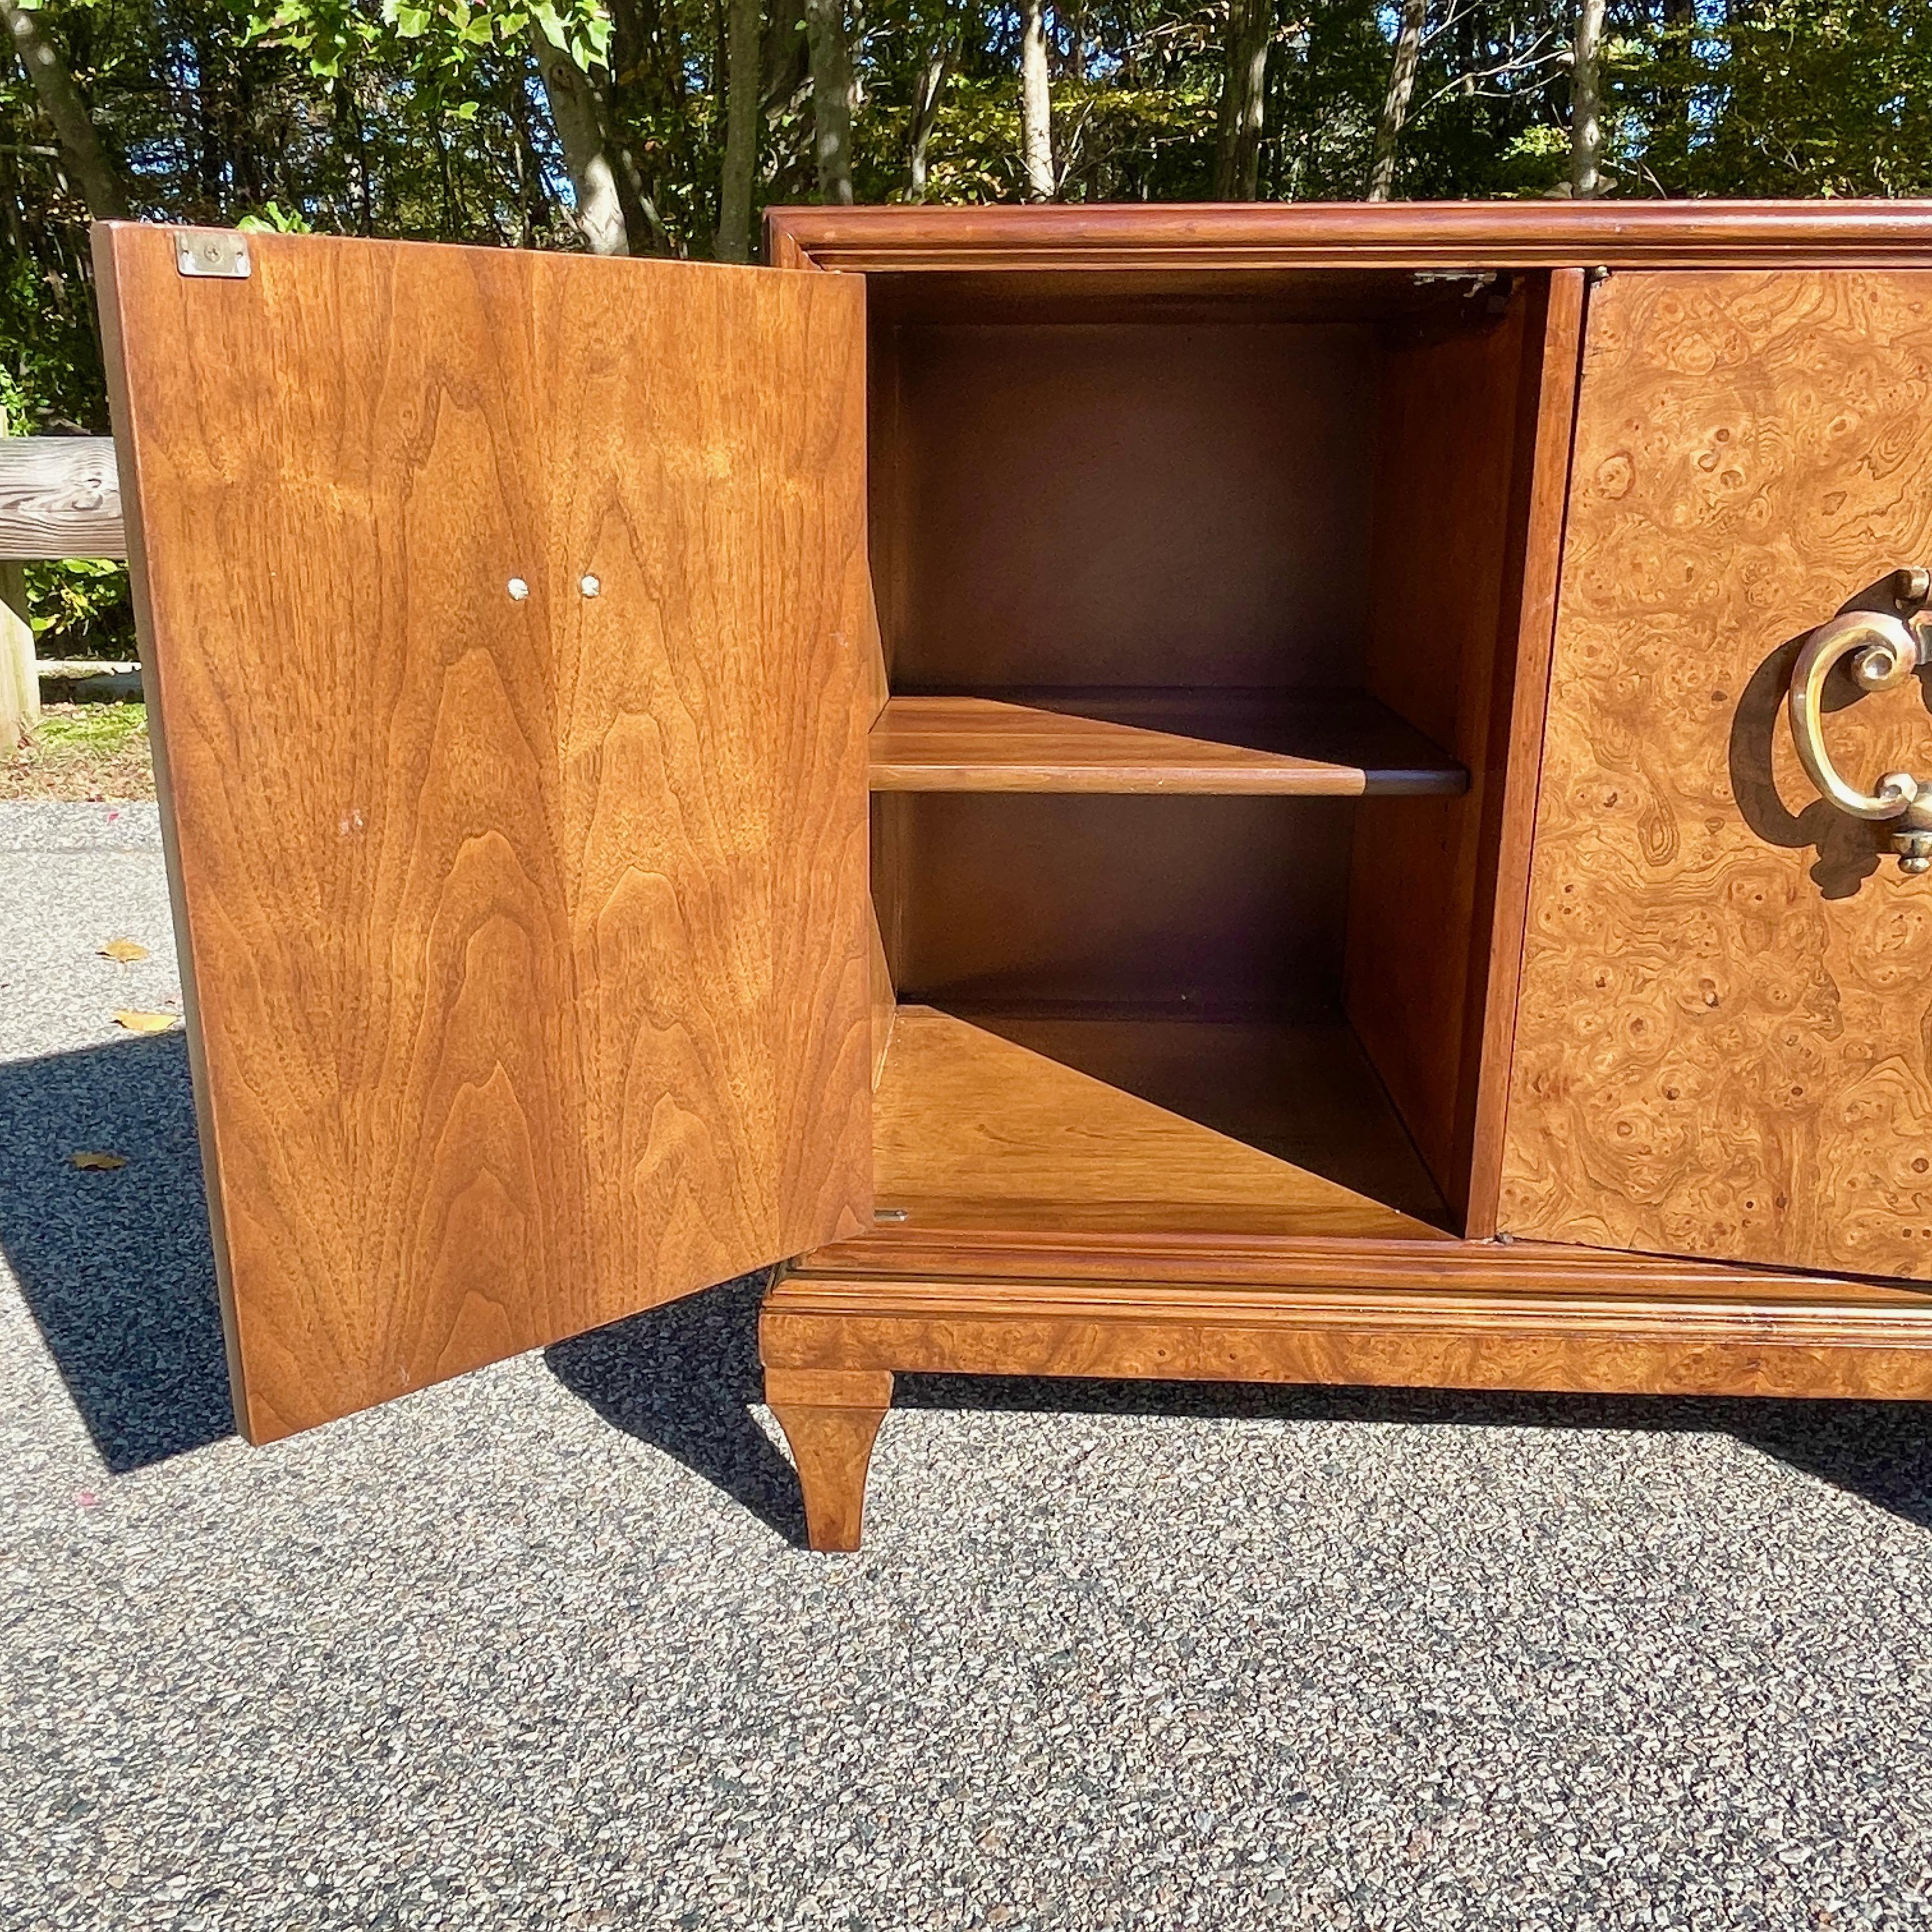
(117, 1271)
(116, 1267)
(1880, 1450)
(684, 1378)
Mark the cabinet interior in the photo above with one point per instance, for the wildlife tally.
(1198, 597)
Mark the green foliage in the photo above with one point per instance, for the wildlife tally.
(80, 609)
(429, 119)
(101, 730)
(1779, 97)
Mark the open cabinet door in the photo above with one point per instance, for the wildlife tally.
(504, 621)
(1723, 1045)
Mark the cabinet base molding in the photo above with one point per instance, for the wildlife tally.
(1521, 1317)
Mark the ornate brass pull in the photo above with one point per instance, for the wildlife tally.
(1884, 651)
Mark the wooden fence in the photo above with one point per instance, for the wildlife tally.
(60, 496)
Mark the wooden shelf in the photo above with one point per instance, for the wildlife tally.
(1292, 745)
(972, 1129)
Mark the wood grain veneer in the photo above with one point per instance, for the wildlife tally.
(1530, 613)
(1449, 449)
(1455, 1314)
(835, 1329)
(1474, 443)
(952, 297)
(1221, 908)
(973, 1130)
(1724, 1045)
(525, 941)
(1301, 1090)
(996, 1324)
(831, 1417)
(1180, 1260)
(1345, 746)
(1144, 505)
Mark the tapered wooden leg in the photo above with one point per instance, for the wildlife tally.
(831, 1417)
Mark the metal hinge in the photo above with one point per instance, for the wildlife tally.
(219, 252)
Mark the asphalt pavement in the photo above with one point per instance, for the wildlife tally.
(538, 1647)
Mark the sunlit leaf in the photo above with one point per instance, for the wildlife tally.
(140, 1022)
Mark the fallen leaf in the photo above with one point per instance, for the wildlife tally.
(125, 950)
(145, 1022)
(105, 1162)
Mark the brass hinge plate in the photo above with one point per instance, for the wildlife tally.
(217, 252)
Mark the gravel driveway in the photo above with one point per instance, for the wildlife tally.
(537, 1648)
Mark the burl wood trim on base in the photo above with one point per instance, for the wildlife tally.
(831, 1417)
(1564, 1338)
(1524, 1317)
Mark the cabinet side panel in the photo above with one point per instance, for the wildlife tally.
(1548, 401)
(515, 714)
(885, 489)
(1462, 417)
(1724, 1043)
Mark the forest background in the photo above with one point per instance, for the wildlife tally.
(664, 126)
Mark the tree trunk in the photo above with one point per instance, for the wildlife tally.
(787, 62)
(635, 70)
(1395, 106)
(1586, 125)
(599, 212)
(1237, 156)
(744, 86)
(831, 51)
(1036, 103)
(92, 172)
(925, 112)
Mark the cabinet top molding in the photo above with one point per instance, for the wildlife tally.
(1395, 235)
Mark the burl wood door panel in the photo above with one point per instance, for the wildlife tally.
(1724, 1042)
(526, 929)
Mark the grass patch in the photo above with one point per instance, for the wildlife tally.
(83, 751)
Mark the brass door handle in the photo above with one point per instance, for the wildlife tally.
(1884, 651)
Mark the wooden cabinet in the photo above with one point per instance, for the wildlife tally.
(1139, 792)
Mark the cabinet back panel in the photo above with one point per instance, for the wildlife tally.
(1125, 503)
(1146, 295)
(1205, 905)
